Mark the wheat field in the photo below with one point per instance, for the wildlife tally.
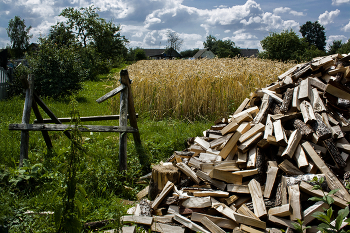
(198, 89)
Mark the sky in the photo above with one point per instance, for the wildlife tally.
(145, 22)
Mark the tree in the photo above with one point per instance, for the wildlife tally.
(174, 41)
(333, 48)
(19, 35)
(221, 48)
(345, 48)
(282, 46)
(61, 35)
(189, 52)
(314, 33)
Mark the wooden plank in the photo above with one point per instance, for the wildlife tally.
(332, 180)
(280, 135)
(144, 220)
(68, 127)
(219, 184)
(230, 145)
(111, 93)
(308, 213)
(294, 201)
(226, 176)
(281, 211)
(257, 198)
(293, 143)
(211, 226)
(220, 221)
(188, 172)
(166, 190)
(270, 178)
(83, 119)
(253, 131)
(189, 224)
(239, 218)
(29, 90)
(289, 168)
(197, 202)
(307, 188)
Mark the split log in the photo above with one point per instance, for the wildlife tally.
(230, 145)
(308, 213)
(280, 135)
(220, 221)
(300, 157)
(187, 171)
(253, 131)
(281, 221)
(305, 130)
(189, 224)
(295, 101)
(251, 161)
(317, 102)
(307, 112)
(305, 92)
(165, 228)
(257, 197)
(271, 177)
(220, 185)
(197, 202)
(289, 168)
(268, 127)
(242, 106)
(211, 226)
(287, 99)
(334, 152)
(321, 130)
(166, 190)
(294, 201)
(244, 147)
(226, 176)
(265, 105)
(293, 143)
(144, 220)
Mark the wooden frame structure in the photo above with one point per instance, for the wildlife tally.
(127, 110)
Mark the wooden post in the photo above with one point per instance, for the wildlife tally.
(123, 121)
(41, 120)
(25, 119)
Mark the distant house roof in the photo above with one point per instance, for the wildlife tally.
(204, 53)
(249, 52)
(161, 53)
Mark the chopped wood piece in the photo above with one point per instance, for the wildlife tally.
(229, 200)
(242, 106)
(165, 228)
(305, 130)
(307, 188)
(273, 95)
(308, 213)
(271, 177)
(221, 222)
(242, 157)
(244, 127)
(144, 220)
(315, 82)
(268, 127)
(294, 201)
(249, 229)
(307, 112)
(337, 132)
(161, 174)
(343, 147)
(265, 105)
(245, 173)
(317, 102)
(210, 194)
(305, 92)
(289, 168)
(197, 202)
(239, 218)
(281, 221)
(244, 147)
(293, 143)
(252, 154)
(188, 223)
(211, 226)
(187, 171)
(166, 190)
(235, 122)
(220, 185)
(300, 157)
(235, 188)
(280, 135)
(253, 131)
(337, 92)
(207, 157)
(246, 211)
(220, 140)
(281, 211)
(202, 143)
(334, 152)
(252, 111)
(321, 129)
(287, 99)
(230, 145)
(295, 100)
(194, 162)
(226, 176)
(142, 193)
(332, 180)
(257, 197)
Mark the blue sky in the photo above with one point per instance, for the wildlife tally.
(145, 22)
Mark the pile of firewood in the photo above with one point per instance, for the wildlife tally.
(251, 171)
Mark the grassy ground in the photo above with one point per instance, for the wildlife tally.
(39, 185)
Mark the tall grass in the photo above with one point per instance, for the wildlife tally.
(197, 89)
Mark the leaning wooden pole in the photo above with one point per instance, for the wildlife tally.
(123, 121)
(25, 118)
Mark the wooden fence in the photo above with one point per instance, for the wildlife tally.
(4, 79)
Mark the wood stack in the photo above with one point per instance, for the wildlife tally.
(250, 171)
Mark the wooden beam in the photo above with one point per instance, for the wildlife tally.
(68, 127)
(83, 119)
(332, 180)
(111, 93)
(257, 198)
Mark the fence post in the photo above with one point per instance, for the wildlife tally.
(123, 121)
(25, 119)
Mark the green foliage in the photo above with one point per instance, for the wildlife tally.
(61, 35)
(345, 48)
(136, 54)
(19, 36)
(327, 217)
(189, 52)
(16, 87)
(221, 48)
(299, 227)
(333, 48)
(314, 33)
(57, 69)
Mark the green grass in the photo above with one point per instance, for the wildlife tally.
(38, 186)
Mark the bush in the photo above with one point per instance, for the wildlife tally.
(57, 70)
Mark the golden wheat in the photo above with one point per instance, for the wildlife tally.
(194, 89)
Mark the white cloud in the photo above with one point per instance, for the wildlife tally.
(338, 2)
(296, 13)
(227, 31)
(346, 28)
(281, 10)
(327, 17)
